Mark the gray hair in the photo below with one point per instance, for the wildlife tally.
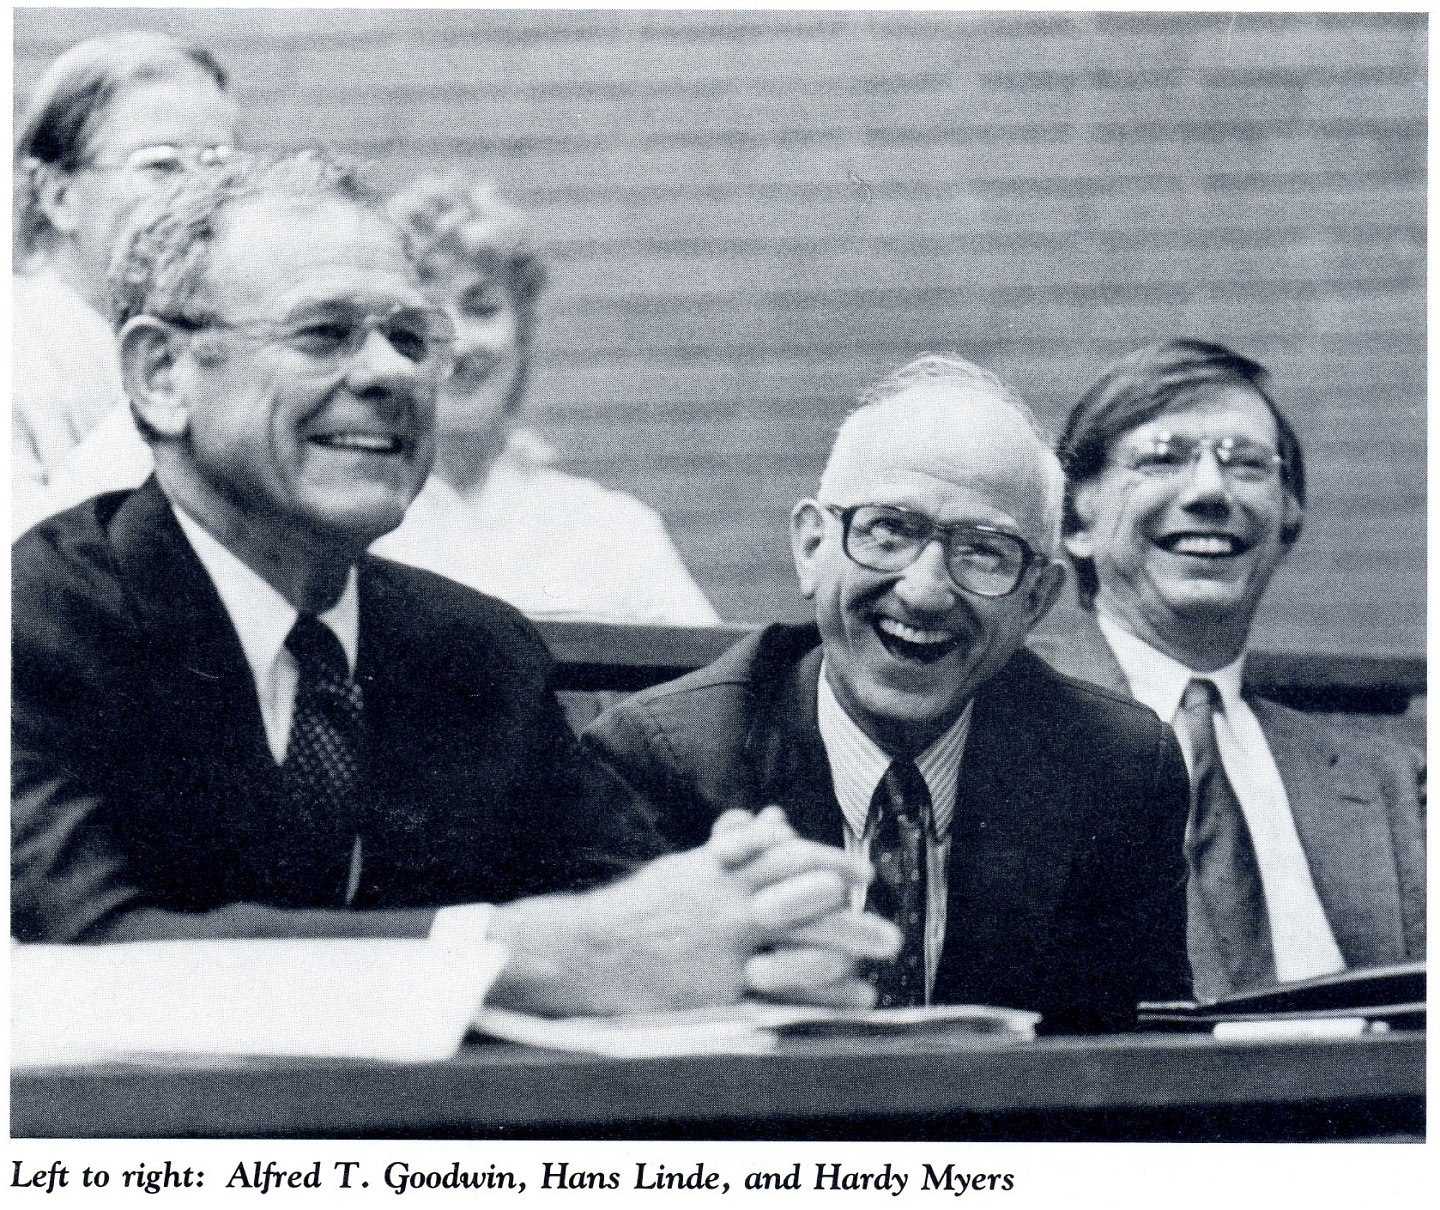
(71, 100)
(948, 369)
(161, 261)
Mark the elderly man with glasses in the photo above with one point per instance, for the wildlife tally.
(1025, 827)
(1305, 841)
(229, 721)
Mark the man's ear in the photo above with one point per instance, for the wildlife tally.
(1292, 521)
(54, 195)
(1045, 591)
(149, 351)
(1080, 542)
(807, 532)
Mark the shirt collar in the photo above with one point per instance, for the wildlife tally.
(857, 762)
(1157, 679)
(261, 616)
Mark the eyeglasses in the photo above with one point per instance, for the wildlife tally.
(980, 559)
(331, 334)
(163, 162)
(1169, 455)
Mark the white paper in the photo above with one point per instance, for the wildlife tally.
(392, 1000)
(747, 1028)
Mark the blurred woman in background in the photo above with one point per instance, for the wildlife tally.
(112, 121)
(496, 514)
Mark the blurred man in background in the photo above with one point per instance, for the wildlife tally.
(113, 121)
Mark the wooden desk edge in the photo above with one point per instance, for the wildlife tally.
(513, 1088)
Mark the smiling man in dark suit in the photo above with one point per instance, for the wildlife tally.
(1305, 841)
(1024, 827)
(228, 721)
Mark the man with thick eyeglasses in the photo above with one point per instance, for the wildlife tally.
(229, 721)
(1024, 827)
(1304, 842)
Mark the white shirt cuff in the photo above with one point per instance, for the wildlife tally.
(460, 933)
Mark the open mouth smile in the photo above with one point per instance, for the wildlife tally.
(359, 443)
(1203, 545)
(906, 642)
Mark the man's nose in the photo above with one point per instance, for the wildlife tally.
(379, 367)
(1207, 484)
(925, 585)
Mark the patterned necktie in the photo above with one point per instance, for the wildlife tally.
(900, 810)
(1229, 931)
(324, 760)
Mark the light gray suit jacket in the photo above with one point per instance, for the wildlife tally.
(1358, 800)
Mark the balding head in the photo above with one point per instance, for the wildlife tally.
(937, 413)
(927, 552)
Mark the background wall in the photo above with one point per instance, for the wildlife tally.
(752, 215)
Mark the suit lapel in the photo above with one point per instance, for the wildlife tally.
(1080, 650)
(205, 670)
(1010, 850)
(788, 756)
(1344, 833)
(221, 764)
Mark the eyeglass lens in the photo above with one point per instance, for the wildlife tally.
(419, 334)
(985, 563)
(1170, 454)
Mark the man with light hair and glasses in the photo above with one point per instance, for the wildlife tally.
(112, 121)
(1304, 841)
(229, 721)
(1024, 826)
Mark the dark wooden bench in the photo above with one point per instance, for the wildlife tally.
(594, 656)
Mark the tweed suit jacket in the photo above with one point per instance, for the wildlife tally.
(146, 803)
(1065, 885)
(1357, 800)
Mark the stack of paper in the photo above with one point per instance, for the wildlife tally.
(391, 1000)
(1389, 995)
(750, 1028)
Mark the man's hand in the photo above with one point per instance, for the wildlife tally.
(812, 962)
(687, 931)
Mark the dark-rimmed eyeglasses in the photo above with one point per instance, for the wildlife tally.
(329, 335)
(978, 558)
(1169, 455)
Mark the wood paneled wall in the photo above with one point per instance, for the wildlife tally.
(750, 216)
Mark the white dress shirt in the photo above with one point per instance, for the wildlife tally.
(64, 377)
(263, 619)
(857, 763)
(1300, 936)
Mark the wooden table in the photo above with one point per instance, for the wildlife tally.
(1146, 1086)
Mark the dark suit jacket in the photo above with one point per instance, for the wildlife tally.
(1066, 882)
(145, 802)
(1357, 800)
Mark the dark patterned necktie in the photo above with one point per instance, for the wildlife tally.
(900, 810)
(1229, 931)
(324, 760)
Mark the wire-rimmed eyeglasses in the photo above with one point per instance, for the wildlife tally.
(327, 335)
(163, 162)
(1170, 454)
